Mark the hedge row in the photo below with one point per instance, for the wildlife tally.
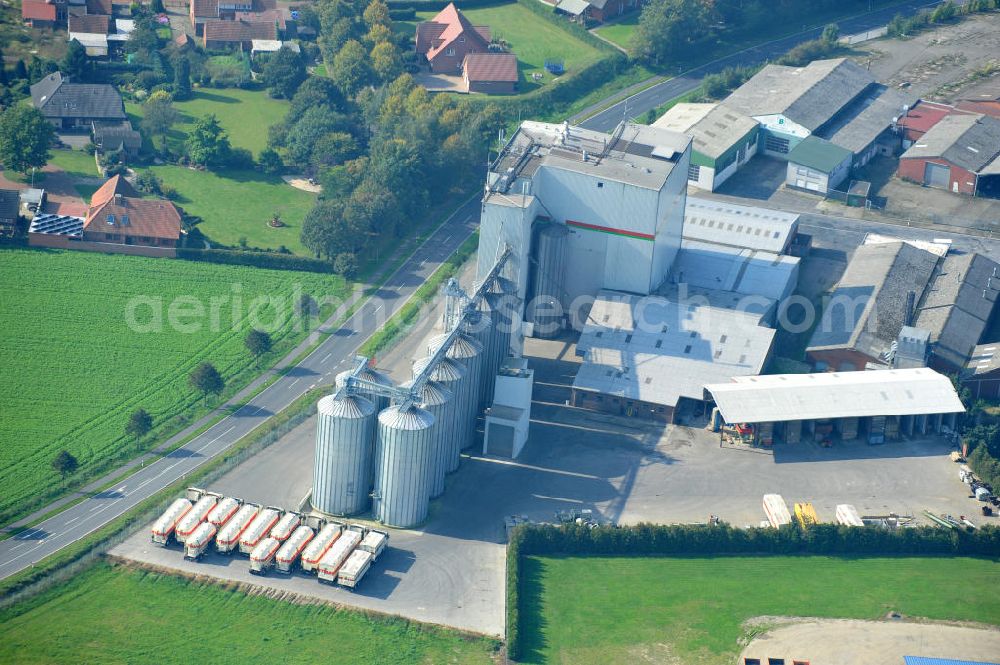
(272, 260)
(699, 540)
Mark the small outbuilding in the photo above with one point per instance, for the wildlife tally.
(816, 165)
(494, 73)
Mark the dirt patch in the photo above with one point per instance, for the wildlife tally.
(855, 642)
(298, 182)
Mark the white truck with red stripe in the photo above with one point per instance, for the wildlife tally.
(194, 517)
(374, 542)
(262, 556)
(292, 548)
(197, 543)
(258, 529)
(329, 565)
(776, 510)
(166, 523)
(354, 568)
(229, 535)
(286, 525)
(224, 509)
(319, 545)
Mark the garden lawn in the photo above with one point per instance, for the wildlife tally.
(239, 204)
(621, 31)
(244, 114)
(76, 163)
(531, 38)
(116, 615)
(72, 369)
(603, 611)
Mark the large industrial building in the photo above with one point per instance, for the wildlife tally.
(960, 154)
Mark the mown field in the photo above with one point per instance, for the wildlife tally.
(72, 369)
(603, 611)
(115, 615)
(76, 163)
(532, 39)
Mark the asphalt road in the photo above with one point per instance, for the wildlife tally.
(329, 358)
(663, 92)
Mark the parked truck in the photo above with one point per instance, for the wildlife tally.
(318, 546)
(286, 525)
(229, 535)
(166, 523)
(292, 548)
(192, 518)
(776, 510)
(198, 542)
(329, 565)
(223, 511)
(374, 542)
(805, 514)
(354, 568)
(258, 529)
(848, 515)
(262, 556)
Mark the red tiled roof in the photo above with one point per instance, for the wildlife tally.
(107, 191)
(924, 115)
(205, 8)
(117, 199)
(91, 24)
(239, 31)
(455, 26)
(37, 10)
(984, 106)
(491, 67)
(278, 16)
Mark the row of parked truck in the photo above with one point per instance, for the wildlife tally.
(335, 552)
(778, 515)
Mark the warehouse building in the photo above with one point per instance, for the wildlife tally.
(645, 356)
(960, 154)
(725, 223)
(877, 405)
(723, 140)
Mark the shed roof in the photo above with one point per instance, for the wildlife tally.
(491, 67)
(783, 397)
(865, 119)
(10, 204)
(714, 128)
(95, 25)
(819, 154)
(573, 7)
(205, 8)
(727, 223)
(967, 140)
(923, 115)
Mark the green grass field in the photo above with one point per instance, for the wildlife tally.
(244, 114)
(76, 163)
(621, 31)
(531, 38)
(72, 369)
(108, 615)
(239, 204)
(600, 611)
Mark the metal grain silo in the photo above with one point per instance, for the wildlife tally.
(436, 399)
(479, 326)
(452, 375)
(373, 375)
(402, 466)
(469, 352)
(545, 294)
(345, 444)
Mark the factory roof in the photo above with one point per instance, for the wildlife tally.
(866, 310)
(922, 660)
(924, 115)
(725, 268)
(657, 350)
(985, 359)
(714, 128)
(969, 141)
(634, 154)
(819, 154)
(864, 120)
(739, 226)
(808, 96)
(782, 397)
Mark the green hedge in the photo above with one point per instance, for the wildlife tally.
(701, 540)
(273, 260)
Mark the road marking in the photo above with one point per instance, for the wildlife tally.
(532, 467)
(326, 357)
(294, 382)
(214, 440)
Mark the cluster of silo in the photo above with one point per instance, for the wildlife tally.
(545, 293)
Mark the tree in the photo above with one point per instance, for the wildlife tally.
(206, 379)
(258, 342)
(386, 61)
(159, 115)
(182, 78)
(139, 423)
(303, 136)
(333, 149)
(75, 63)
(319, 229)
(831, 33)
(345, 264)
(25, 138)
(208, 143)
(377, 13)
(65, 464)
(669, 27)
(3, 71)
(21, 70)
(284, 72)
(270, 161)
(350, 69)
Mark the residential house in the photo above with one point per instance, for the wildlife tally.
(113, 137)
(10, 210)
(961, 153)
(281, 17)
(218, 35)
(596, 10)
(76, 106)
(41, 14)
(202, 11)
(118, 214)
(448, 38)
(91, 31)
(490, 72)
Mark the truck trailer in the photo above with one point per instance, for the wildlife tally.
(166, 523)
(292, 548)
(329, 565)
(354, 568)
(318, 546)
(805, 514)
(286, 525)
(374, 542)
(262, 556)
(776, 510)
(229, 535)
(224, 509)
(848, 515)
(258, 529)
(197, 543)
(187, 524)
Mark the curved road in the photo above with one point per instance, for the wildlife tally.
(663, 92)
(320, 366)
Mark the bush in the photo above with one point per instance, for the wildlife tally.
(345, 264)
(260, 259)
(240, 159)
